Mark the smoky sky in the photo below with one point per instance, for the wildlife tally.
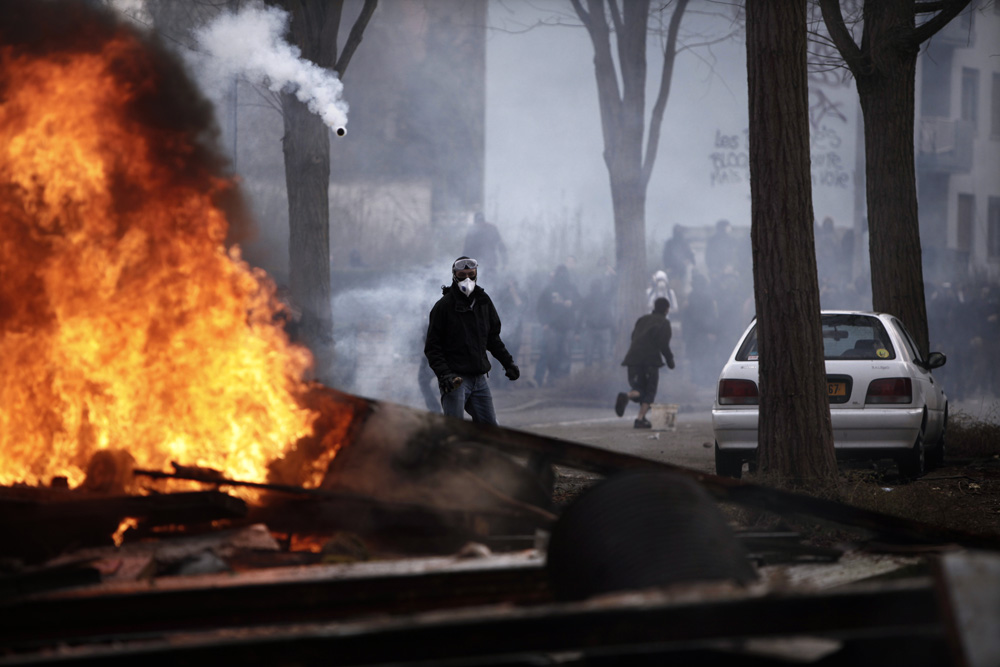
(545, 149)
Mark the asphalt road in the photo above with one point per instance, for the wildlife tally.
(688, 444)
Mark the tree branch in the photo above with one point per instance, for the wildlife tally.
(666, 76)
(608, 93)
(928, 7)
(616, 16)
(841, 36)
(354, 39)
(582, 13)
(949, 10)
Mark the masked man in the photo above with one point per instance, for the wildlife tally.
(463, 326)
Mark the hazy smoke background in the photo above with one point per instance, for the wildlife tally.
(544, 146)
(379, 338)
(546, 185)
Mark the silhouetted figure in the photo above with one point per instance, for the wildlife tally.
(557, 309)
(827, 252)
(721, 251)
(678, 257)
(649, 348)
(425, 377)
(483, 242)
(659, 288)
(511, 306)
(701, 333)
(597, 319)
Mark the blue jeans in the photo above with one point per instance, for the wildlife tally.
(472, 396)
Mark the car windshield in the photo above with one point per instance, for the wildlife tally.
(845, 336)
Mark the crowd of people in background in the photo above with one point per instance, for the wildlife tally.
(964, 323)
(568, 314)
(561, 318)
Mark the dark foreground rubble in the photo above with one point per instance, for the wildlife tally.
(351, 576)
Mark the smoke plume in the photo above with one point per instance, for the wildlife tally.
(250, 43)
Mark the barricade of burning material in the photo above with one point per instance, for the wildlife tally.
(400, 478)
(414, 454)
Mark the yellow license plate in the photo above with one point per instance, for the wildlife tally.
(836, 388)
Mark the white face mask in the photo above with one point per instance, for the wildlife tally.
(467, 286)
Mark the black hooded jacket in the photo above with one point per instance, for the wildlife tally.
(650, 342)
(461, 330)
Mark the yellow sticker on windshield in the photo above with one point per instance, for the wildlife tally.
(882, 353)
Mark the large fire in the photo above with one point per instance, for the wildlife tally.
(125, 323)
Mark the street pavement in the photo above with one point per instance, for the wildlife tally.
(688, 444)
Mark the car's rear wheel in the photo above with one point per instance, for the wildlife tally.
(728, 464)
(935, 456)
(913, 464)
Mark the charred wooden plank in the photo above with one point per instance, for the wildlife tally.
(968, 584)
(328, 593)
(513, 507)
(605, 462)
(162, 508)
(653, 624)
(35, 580)
(409, 527)
(38, 529)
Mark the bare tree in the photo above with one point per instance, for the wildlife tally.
(623, 125)
(315, 25)
(794, 433)
(884, 66)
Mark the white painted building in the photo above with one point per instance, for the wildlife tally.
(958, 147)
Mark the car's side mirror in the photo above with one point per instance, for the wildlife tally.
(934, 360)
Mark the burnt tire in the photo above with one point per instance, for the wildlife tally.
(641, 529)
(728, 464)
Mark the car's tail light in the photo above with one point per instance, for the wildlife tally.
(890, 390)
(737, 392)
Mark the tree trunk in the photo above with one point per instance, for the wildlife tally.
(888, 106)
(314, 28)
(306, 146)
(623, 126)
(628, 197)
(894, 240)
(885, 66)
(794, 433)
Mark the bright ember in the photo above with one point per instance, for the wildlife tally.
(125, 322)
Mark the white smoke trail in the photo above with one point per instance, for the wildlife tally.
(251, 43)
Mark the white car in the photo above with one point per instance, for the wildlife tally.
(884, 402)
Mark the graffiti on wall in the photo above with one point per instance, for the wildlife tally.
(729, 158)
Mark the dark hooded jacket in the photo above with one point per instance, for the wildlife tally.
(650, 340)
(461, 330)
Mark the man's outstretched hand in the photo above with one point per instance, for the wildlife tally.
(512, 372)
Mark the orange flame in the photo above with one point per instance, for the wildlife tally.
(118, 537)
(124, 321)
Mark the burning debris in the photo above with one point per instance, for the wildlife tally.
(133, 336)
(126, 320)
